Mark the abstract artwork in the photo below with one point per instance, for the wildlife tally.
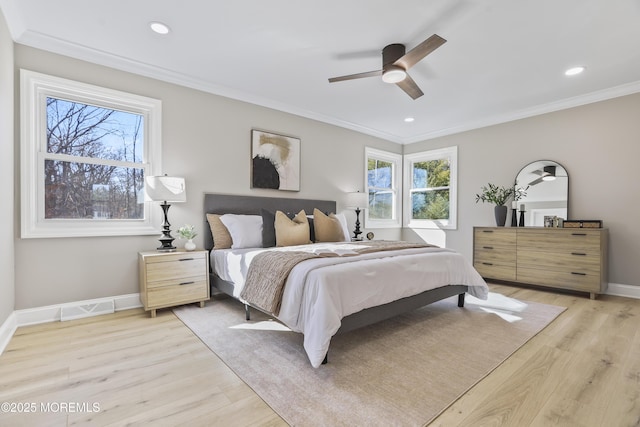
(275, 161)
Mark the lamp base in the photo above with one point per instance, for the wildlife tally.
(166, 239)
(357, 231)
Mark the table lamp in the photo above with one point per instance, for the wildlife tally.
(165, 189)
(357, 200)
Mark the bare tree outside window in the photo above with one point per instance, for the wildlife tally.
(93, 162)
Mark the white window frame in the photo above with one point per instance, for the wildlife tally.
(438, 154)
(396, 183)
(34, 90)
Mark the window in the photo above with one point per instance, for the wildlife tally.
(430, 187)
(383, 187)
(84, 153)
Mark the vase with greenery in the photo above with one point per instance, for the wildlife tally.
(188, 232)
(499, 196)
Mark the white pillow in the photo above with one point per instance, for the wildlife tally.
(345, 226)
(245, 230)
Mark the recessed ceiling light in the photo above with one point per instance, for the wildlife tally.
(409, 119)
(159, 27)
(574, 71)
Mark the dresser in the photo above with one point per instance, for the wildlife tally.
(172, 278)
(564, 258)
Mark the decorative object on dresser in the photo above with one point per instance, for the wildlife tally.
(522, 212)
(561, 258)
(356, 200)
(170, 279)
(188, 232)
(499, 196)
(275, 161)
(582, 223)
(165, 189)
(544, 196)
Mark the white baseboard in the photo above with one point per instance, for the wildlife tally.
(53, 313)
(621, 290)
(7, 329)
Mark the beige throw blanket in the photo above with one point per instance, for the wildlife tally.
(269, 270)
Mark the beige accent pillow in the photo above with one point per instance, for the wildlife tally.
(292, 232)
(220, 233)
(327, 228)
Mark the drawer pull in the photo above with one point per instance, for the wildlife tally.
(187, 283)
(578, 274)
(487, 263)
(487, 247)
(186, 259)
(578, 234)
(578, 253)
(487, 231)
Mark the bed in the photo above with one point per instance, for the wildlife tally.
(323, 297)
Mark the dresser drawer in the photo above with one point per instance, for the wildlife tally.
(501, 237)
(560, 261)
(493, 270)
(578, 281)
(177, 294)
(495, 254)
(587, 242)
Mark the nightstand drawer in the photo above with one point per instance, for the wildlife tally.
(179, 281)
(176, 268)
(177, 294)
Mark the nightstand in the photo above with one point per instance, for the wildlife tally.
(168, 279)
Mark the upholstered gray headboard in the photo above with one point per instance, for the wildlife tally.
(251, 205)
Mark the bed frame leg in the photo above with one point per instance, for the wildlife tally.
(326, 359)
(247, 312)
(461, 300)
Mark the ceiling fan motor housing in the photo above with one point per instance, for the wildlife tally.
(391, 53)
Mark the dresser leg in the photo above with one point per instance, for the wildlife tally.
(153, 313)
(592, 295)
(201, 304)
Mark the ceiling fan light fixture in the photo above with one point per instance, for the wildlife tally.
(394, 75)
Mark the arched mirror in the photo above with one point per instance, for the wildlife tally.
(547, 191)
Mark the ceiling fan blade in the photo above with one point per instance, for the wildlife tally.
(356, 76)
(410, 87)
(412, 57)
(536, 181)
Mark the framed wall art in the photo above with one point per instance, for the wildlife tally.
(275, 161)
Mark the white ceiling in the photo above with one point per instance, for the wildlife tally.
(503, 60)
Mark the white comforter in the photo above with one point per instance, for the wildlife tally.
(321, 291)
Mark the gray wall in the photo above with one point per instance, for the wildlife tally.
(597, 144)
(206, 139)
(6, 173)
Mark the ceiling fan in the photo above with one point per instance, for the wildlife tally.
(396, 63)
(547, 173)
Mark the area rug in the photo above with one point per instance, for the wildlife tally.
(403, 371)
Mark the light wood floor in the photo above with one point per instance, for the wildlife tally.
(582, 370)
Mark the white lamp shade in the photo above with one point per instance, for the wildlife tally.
(165, 189)
(357, 199)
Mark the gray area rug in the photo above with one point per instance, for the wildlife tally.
(403, 371)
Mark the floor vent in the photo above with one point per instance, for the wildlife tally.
(71, 311)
